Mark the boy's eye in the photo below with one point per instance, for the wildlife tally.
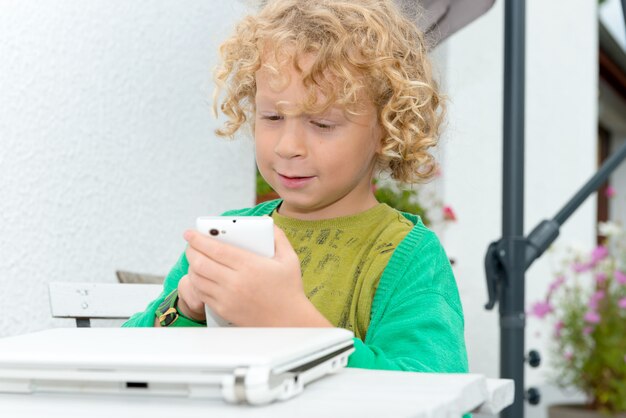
(271, 117)
(322, 125)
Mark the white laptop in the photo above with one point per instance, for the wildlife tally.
(243, 365)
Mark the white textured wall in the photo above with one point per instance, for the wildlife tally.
(107, 151)
(561, 125)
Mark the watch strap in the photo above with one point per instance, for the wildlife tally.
(167, 313)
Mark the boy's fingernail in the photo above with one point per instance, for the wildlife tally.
(187, 235)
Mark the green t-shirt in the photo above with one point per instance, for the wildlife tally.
(342, 260)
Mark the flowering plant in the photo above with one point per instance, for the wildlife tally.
(405, 198)
(587, 302)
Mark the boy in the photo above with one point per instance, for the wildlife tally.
(335, 91)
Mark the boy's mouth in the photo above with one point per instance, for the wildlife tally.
(294, 182)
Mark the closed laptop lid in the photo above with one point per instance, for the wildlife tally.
(179, 349)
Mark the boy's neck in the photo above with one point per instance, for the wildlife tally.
(328, 212)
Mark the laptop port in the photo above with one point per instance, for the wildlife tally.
(136, 385)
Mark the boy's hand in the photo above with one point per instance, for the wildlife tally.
(190, 303)
(244, 288)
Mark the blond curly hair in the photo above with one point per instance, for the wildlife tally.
(356, 44)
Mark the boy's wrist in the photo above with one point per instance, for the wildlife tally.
(308, 316)
(183, 309)
(172, 313)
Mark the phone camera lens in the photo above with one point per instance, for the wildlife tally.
(214, 232)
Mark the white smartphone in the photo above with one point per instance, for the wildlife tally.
(251, 233)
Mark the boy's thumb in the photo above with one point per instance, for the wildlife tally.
(281, 243)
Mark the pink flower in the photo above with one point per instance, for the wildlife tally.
(581, 267)
(622, 303)
(587, 330)
(601, 278)
(609, 191)
(598, 254)
(592, 317)
(541, 309)
(620, 277)
(599, 295)
(568, 356)
(448, 214)
(556, 284)
(595, 298)
(558, 328)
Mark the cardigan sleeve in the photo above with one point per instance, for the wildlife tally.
(417, 320)
(146, 318)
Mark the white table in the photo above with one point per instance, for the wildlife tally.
(350, 393)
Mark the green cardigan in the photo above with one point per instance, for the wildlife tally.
(416, 318)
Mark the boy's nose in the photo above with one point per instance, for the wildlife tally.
(291, 141)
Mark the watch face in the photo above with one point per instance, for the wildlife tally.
(166, 311)
(169, 317)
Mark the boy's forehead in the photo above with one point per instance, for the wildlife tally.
(281, 74)
(290, 96)
(272, 81)
(285, 66)
(273, 78)
(286, 55)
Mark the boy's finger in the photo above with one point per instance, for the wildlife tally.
(220, 252)
(188, 293)
(203, 287)
(206, 266)
(282, 246)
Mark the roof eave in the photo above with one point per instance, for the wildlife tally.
(610, 46)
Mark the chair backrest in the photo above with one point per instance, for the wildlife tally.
(85, 301)
(133, 277)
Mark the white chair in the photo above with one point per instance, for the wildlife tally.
(86, 301)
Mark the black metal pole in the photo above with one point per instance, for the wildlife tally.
(508, 258)
(624, 11)
(592, 184)
(512, 320)
(547, 231)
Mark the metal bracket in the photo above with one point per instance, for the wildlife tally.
(494, 269)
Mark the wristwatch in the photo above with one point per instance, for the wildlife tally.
(167, 311)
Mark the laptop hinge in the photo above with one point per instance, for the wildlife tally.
(240, 384)
(311, 364)
(278, 379)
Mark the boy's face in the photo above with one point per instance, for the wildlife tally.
(321, 165)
